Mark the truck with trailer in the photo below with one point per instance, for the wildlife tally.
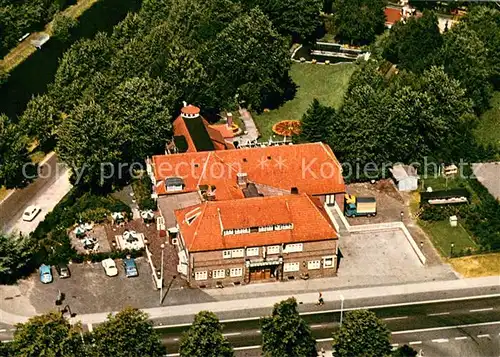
(359, 206)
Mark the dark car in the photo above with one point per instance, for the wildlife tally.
(130, 267)
(63, 270)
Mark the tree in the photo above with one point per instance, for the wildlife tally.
(48, 335)
(298, 19)
(485, 22)
(464, 57)
(128, 333)
(359, 21)
(286, 334)
(204, 338)
(317, 123)
(15, 257)
(92, 143)
(248, 58)
(13, 155)
(414, 45)
(361, 334)
(145, 106)
(41, 119)
(3, 75)
(62, 26)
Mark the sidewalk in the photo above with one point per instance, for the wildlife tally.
(306, 298)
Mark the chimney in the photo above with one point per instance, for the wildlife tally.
(229, 119)
(242, 179)
(184, 103)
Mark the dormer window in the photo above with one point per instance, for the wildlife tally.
(174, 184)
(192, 215)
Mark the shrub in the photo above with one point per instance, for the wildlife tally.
(97, 215)
(62, 27)
(142, 191)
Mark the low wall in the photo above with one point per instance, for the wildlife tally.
(382, 227)
(16, 200)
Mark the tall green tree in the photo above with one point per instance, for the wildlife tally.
(359, 21)
(414, 44)
(145, 107)
(298, 19)
(92, 143)
(361, 334)
(14, 155)
(41, 120)
(204, 338)
(404, 351)
(49, 335)
(317, 123)
(249, 58)
(464, 56)
(128, 333)
(16, 255)
(286, 334)
(62, 27)
(485, 22)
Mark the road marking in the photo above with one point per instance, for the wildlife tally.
(479, 310)
(316, 326)
(446, 327)
(258, 331)
(324, 339)
(440, 340)
(461, 338)
(247, 348)
(483, 336)
(415, 342)
(231, 334)
(176, 339)
(395, 318)
(91, 328)
(424, 302)
(395, 345)
(439, 314)
(6, 341)
(3, 330)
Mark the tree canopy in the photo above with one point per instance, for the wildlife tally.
(62, 27)
(15, 257)
(359, 21)
(128, 333)
(286, 334)
(204, 338)
(361, 334)
(48, 335)
(317, 123)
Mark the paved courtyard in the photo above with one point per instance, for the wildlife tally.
(488, 174)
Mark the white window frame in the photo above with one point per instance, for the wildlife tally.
(266, 228)
(294, 247)
(281, 227)
(242, 230)
(228, 232)
(292, 266)
(235, 272)
(252, 252)
(238, 253)
(219, 274)
(227, 254)
(201, 275)
(314, 264)
(332, 257)
(274, 249)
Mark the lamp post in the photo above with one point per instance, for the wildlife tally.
(341, 308)
(161, 272)
(451, 249)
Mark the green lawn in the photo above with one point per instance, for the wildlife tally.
(326, 83)
(442, 235)
(488, 130)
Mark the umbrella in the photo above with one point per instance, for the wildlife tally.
(147, 215)
(117, 216)
(88, 226)
(79, 231)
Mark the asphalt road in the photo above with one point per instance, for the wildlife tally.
(434, 325)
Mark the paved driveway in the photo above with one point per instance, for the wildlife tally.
(46, 199)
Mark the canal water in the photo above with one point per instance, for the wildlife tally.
(33, 75)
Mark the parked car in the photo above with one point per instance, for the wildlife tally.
(109, 267)
(130, 267)
(45, 274)
(30, 213)
(63, 271)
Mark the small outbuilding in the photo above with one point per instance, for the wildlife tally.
(405, 176)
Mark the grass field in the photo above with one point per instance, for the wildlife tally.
(488, 130)
(326, 83)
(443, 235)
(477, 265)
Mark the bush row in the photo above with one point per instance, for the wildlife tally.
(142, 192)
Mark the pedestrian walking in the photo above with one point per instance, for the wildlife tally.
(320, 299)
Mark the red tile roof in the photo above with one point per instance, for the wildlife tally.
(204, 233)
(190, 109)
(223, 129)
(311, 168)
(392, 15)
(180, 129)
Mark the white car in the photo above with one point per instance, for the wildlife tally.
(30, 213)
(109, 267)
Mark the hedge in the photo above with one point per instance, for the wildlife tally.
(142, 192)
